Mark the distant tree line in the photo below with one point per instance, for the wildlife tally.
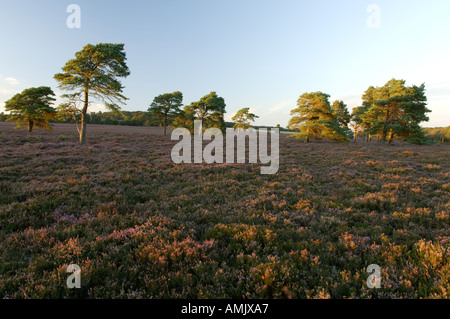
(438, 134)
(129, 118)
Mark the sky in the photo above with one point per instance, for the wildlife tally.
(259, 54)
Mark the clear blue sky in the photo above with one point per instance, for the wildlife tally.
(255, 53)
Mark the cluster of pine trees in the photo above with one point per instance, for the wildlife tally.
(391, 111)
(210, 109)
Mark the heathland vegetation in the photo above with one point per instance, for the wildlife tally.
(140, 226)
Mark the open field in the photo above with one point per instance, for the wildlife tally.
(140, 226)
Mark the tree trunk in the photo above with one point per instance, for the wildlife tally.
(165, 125)
(383, 136)
(391, 137)
(83, 119)
(30, 126)
(385, 128)
(443, 139)
(384, 133)
(83, 129)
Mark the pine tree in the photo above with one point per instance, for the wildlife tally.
(395, 110)
(242, 118)
(166, 106)
(32, 107)
(314, 118)
(93, 72)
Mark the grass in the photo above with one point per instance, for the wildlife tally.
(140, 226)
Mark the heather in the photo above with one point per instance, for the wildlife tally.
(140, 226)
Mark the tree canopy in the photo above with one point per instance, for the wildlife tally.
(32, 107)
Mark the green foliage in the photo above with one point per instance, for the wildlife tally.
(185, 120)
(416, 135)
(343, 116)
(137, 118)
(393, 110)
(358, 121)
(32, 107)
(166, 106)
(243, 117)
(93, 72)
(210, 109)
(340, 110)
(314, 118)
(3, 117)
(129, 118)
(438, 134)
